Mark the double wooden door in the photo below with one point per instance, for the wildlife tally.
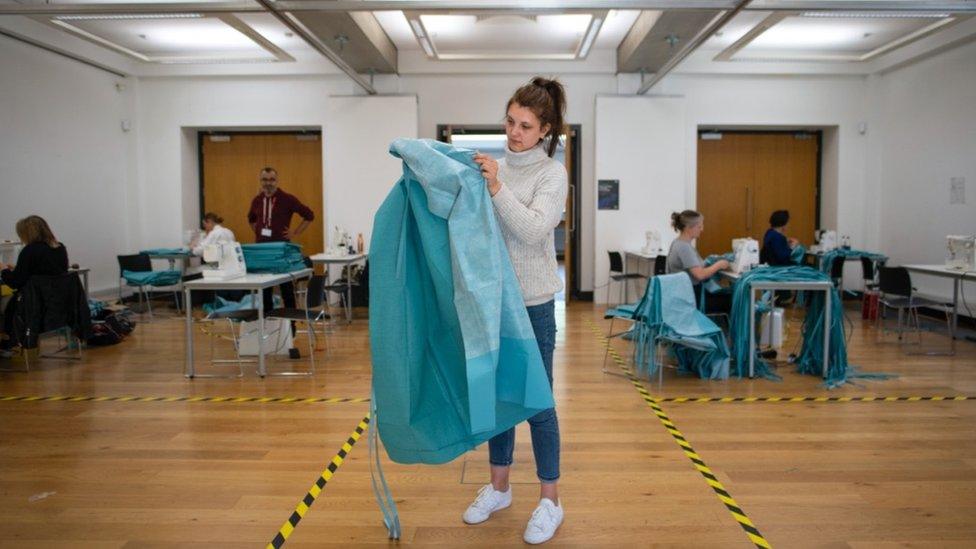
(744, 177)
(231, 172)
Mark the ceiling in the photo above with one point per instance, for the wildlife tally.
(368, 36)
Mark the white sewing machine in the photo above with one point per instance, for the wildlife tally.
(746, 252)
(229, 259)
(653, 244)
(826, 241)
(961, 252)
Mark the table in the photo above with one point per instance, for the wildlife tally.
(330, 259)
(957, 277)
(253, 283)
(83, 271)
(799, 285)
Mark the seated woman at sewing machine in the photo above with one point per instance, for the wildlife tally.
(42, 254)
(215, 234)
(683, 257)
(776, 246)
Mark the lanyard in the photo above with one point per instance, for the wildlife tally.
(268, 210)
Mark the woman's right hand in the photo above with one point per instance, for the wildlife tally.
(723, 264)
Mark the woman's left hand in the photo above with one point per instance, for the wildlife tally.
(489, 170)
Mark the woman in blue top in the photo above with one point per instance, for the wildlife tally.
(776, 246)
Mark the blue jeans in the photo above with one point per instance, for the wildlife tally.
(544, 425)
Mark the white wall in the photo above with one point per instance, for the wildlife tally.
(929, 136)
(63, 154)
(357, 171)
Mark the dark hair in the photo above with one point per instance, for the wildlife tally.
(210, 216)
(687, 218)
(269, 169)
(779, 218)
(547, 100)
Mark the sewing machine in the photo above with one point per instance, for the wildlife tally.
(653, 243)
(961, 252)
(826, 241)
(229, 260)
(746, 252)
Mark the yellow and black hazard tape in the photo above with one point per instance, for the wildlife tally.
(821, 399)
(289, 526)
(230, 399)
(723, 495)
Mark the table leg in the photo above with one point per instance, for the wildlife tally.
(954, 326)
(258, 297)
(826, 329)
(84, 277)
(189, 371)
(349, 294)
(752, 332)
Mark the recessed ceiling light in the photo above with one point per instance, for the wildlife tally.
(876, 14)
(129, 16)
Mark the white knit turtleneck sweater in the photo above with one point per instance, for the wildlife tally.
(529, 206)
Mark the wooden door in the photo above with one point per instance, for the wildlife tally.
(231, 169)
(744, 177)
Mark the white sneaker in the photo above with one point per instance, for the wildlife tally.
(488, 501)
(545, 520)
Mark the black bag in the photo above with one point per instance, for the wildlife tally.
(121, 323)
(103, 335)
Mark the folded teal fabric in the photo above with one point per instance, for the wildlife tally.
(166, 251)
(152, 278)
(455, 360)
(668, 313)
(273, 257)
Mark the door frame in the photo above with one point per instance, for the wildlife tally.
(444, 131)
(817, 133)
(206, 133)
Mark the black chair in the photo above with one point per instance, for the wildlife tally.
(837, 273)
(868, 273)
(140, 263)
(346, 287)
(52, 305)
(617, 274)
(897, 293)
(311, 314)
(660, 265)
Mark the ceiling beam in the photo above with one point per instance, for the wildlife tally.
(300, 30)
(717, 23)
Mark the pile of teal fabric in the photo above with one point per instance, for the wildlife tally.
(667, 314)
(827, 259)
(810, 359)
(166, 251)
(455, 359)
(273, 257)
(152, 278)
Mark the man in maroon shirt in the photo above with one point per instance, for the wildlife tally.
(270, 219)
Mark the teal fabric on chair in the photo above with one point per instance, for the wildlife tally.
(827, 259)
(166, 251)
(668, 313)
(273, 257)
(152, 278)
(455, 360)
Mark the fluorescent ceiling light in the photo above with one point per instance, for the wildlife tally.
(417, 28)
(875, 14)
(590, 37)
(424, 43)
(446, 23)
(134, 16)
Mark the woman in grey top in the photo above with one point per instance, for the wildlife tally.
(528, 190)
(683, 257)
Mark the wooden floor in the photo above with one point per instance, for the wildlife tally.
(224, 474)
